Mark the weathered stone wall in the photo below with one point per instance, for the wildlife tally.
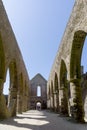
(67, 64)
(11, 58)
(38, 80)
(84, 92)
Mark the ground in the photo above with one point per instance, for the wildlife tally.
(40, 120)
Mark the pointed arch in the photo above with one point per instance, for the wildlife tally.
(56, 82)
(76, 53)
(13, 87)
(75, 73)
(63, 73)
(38, 91)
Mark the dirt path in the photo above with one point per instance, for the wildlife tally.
(40, 120)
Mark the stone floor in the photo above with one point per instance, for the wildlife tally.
(40, 120)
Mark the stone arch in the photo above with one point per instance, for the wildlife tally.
(56, 93)
(4, 113)
(63, 73)
(38, 105)
(56, 82)
(75, 75)
(13, 87)
(76, 52)
(10, 108)
(63, 89)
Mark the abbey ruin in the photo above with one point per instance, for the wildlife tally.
(66, 92)
(64, 84)
(11, 58)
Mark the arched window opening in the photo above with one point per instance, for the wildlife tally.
(38, 91)
(84, 58)
(7, 84)
(6, 87)
(84, 76)
(56, 83)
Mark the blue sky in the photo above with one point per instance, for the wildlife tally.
(38, 26)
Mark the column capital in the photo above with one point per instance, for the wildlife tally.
(74, 80)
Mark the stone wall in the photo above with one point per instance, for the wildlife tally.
(12, 60)
(40, 81)
(67, 65)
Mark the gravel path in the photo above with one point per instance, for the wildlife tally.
(40, 120)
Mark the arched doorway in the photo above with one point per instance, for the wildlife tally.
(38, 105)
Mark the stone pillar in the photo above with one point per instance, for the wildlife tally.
(12, 101)
(48, 102)
(4, 113)
(24, 103)
(63, 103)
(52, 101)
(61, 100)
(76, 105)
(19, 103)
(56, 101)
(27, 103)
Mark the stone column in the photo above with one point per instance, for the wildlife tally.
(48, 102)
(24, 103)
(12, 101)
(56, 101)
(4, 113)
(52, 101)
(63, 103)
(61, 100)
(27, 103)
(76, 105)
(19, 103)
